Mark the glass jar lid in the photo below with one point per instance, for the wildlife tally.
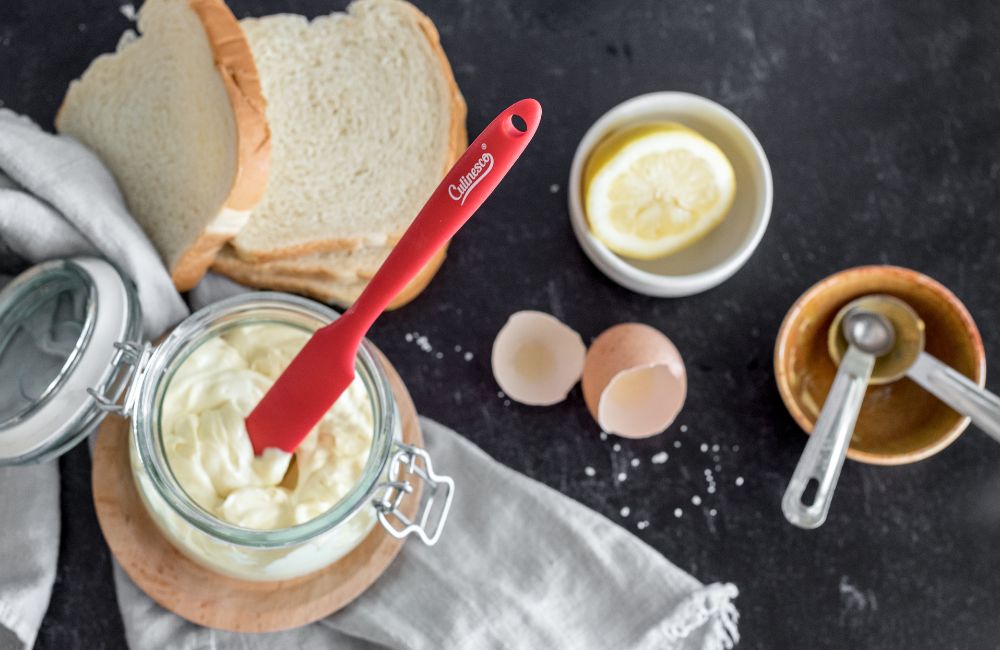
(61, 324)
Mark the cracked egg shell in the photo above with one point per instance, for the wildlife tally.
(537, 359)
(634, 381)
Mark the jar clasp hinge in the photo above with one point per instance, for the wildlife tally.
(428, 523)
(120, 391)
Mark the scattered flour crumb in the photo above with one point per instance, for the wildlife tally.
(715, 449)
(506, 402)
(553, 188)
(458, 348)
(678, 512)
(660, 458)
(642, 525)
(710, 489)
(696, 500)
(713, 512)
(500, 394)
(82, 27)
(677, 444)
(424, 344)
(468, 356)
(739, 481)
(634, 462)
(625, 511)
(718, 468)
(703, 448)
(439, 355)
(616, 447)
(409, 337)
(736, 448)
(684, 428)
(128, 10)
(622, 476)
(589, 471)
(604, 435)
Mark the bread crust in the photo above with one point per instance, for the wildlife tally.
(228, 262)
(457, 142)
(335, 292)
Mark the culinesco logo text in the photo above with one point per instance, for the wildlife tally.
(470, 179)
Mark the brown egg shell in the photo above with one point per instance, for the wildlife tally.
(625, 347)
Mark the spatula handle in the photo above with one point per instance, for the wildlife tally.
(463, 190)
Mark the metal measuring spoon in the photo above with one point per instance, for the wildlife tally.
(870, 336)
(909, 359)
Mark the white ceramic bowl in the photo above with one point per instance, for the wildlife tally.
(722, 252)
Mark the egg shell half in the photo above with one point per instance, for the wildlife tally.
(537, 359)
(634, 381)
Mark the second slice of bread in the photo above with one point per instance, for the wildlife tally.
(342, 293)
(366, 119)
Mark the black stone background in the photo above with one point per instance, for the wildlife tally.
(881, 120)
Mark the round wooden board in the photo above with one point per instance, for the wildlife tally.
(207, 598)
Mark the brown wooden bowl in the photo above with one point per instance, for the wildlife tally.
(899, 422)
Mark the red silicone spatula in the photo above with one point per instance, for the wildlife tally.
(324, 368)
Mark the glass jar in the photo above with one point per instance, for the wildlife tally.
(133, 383)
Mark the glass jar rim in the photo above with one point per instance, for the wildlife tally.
(159, 371)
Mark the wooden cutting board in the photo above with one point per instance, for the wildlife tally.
(207, 598)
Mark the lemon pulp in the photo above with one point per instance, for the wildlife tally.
(655, 189)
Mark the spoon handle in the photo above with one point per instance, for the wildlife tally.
(959, 392)
(824, 454)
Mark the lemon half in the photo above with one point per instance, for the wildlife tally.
(654, 189)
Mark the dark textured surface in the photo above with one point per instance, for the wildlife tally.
(882, 124)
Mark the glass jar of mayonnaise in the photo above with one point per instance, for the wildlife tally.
(272, 517)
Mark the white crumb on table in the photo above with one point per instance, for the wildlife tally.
(625, 511)
(642, 525)
(677, 444)
(634, 462)
(660, 458)
(439, 355)
(616, 447)
(678, 512)
(703, 448)
(622, 476)
(468, 356)
(589, 471)
(696, 500)
(684, 428)
(553, 188)
(739, 481)
(604, 435)
(128, 10)
(713, 512)
(715, 449)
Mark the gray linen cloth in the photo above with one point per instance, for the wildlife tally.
(520, 565)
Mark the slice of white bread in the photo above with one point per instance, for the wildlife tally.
(179, 117)
(333, 291)
(366, 119)
(345, 266)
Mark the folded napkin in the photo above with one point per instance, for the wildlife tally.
(519, 565)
